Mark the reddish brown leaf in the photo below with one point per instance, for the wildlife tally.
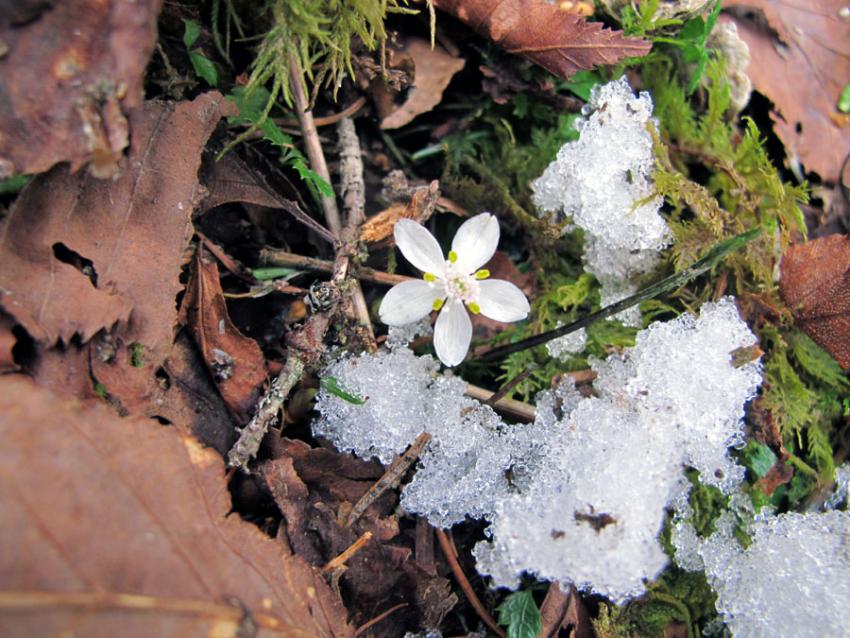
(435, 68)
(815, 285)
(236, 362)
(120, 528)
(419, 208)
(560, 41)
(7, 342)
(69, 82)
(802, 71)
(125, 239)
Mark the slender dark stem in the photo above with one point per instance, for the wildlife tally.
(711, 259)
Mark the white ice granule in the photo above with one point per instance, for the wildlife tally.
(603, 183)
(841, 490)
(793, 579)
(401, 336)
(593, 516)
(565, 347)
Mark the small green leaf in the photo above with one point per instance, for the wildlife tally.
(191, 33)
(312, 177)
(13, 185)
(332, 385)
(136, 354)
(277, 272)
(582, 82)
(844, 100)
(520, 615)
(758, 458)
(204, 67)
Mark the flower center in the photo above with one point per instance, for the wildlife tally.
(460, 285)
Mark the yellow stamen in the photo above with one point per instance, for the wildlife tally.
(452, 256)
(438, 303)
(429, 277)
(482, 274)
(474, 308)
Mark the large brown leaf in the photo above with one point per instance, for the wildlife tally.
(801, 62)
(69, 81)
(126, 237)
(815, 284)
(117, 527)
(560, 41)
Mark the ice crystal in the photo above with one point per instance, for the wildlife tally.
(593, 517)
(565, 347)
(792, 580)
(401, 336)
(603, 183)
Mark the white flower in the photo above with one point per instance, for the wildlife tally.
(448, 284)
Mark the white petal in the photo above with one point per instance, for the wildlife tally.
(409, 301)
(452, 333)
(502, 301)
(476, 241)
(419, 247)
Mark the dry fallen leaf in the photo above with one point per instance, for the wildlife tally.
(419, 208)
(118, 527)
(561, 41)
(815, 284)
(235, 362)
(435, 68)
(68, 97)
(79, 254)
(801, 62)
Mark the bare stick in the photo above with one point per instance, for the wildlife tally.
(368, 625)
(515, 408)
(273, 257)
(450, 553)
(353, 190)
(312, 144)
(390, 479)
(268, 409)
(356, 546)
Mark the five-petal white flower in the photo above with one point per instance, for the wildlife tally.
(448, 284)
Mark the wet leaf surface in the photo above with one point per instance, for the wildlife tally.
(121, 527)
(815, 284)
(801, 61)
(72, 99)
(560, 41)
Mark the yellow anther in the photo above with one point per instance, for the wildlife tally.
(474, 308)
(429, 277)
(452, 256)
(438, 303)
(482, 274)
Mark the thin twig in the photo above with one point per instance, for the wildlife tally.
(312, 144)
(356, 546)
(516, 409)
(711, 259)
(251, 435)
(450, 553)
(502, 392)
(273, 257)
(391, 478)
(326, 120)
(367, 625)
(353, 191)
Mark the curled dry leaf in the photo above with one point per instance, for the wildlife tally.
(79, 254)
(121, 528)
(558, 39)
(235, 362)
(68, 99)
(434, 70)
(801, 62)
(815, 284)
(419, 209)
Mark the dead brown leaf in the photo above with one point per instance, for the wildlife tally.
(801, 62)
(559, 40)
(120, 527)
(419, 209)
(68, 98)
(80, 254)
(815, 284)
(7, 343)
(435, 68)
(235, 362)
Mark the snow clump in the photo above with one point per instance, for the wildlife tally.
(592, 518)
(597, 182)
(792, 580)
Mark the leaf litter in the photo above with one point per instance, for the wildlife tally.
(110, 307)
